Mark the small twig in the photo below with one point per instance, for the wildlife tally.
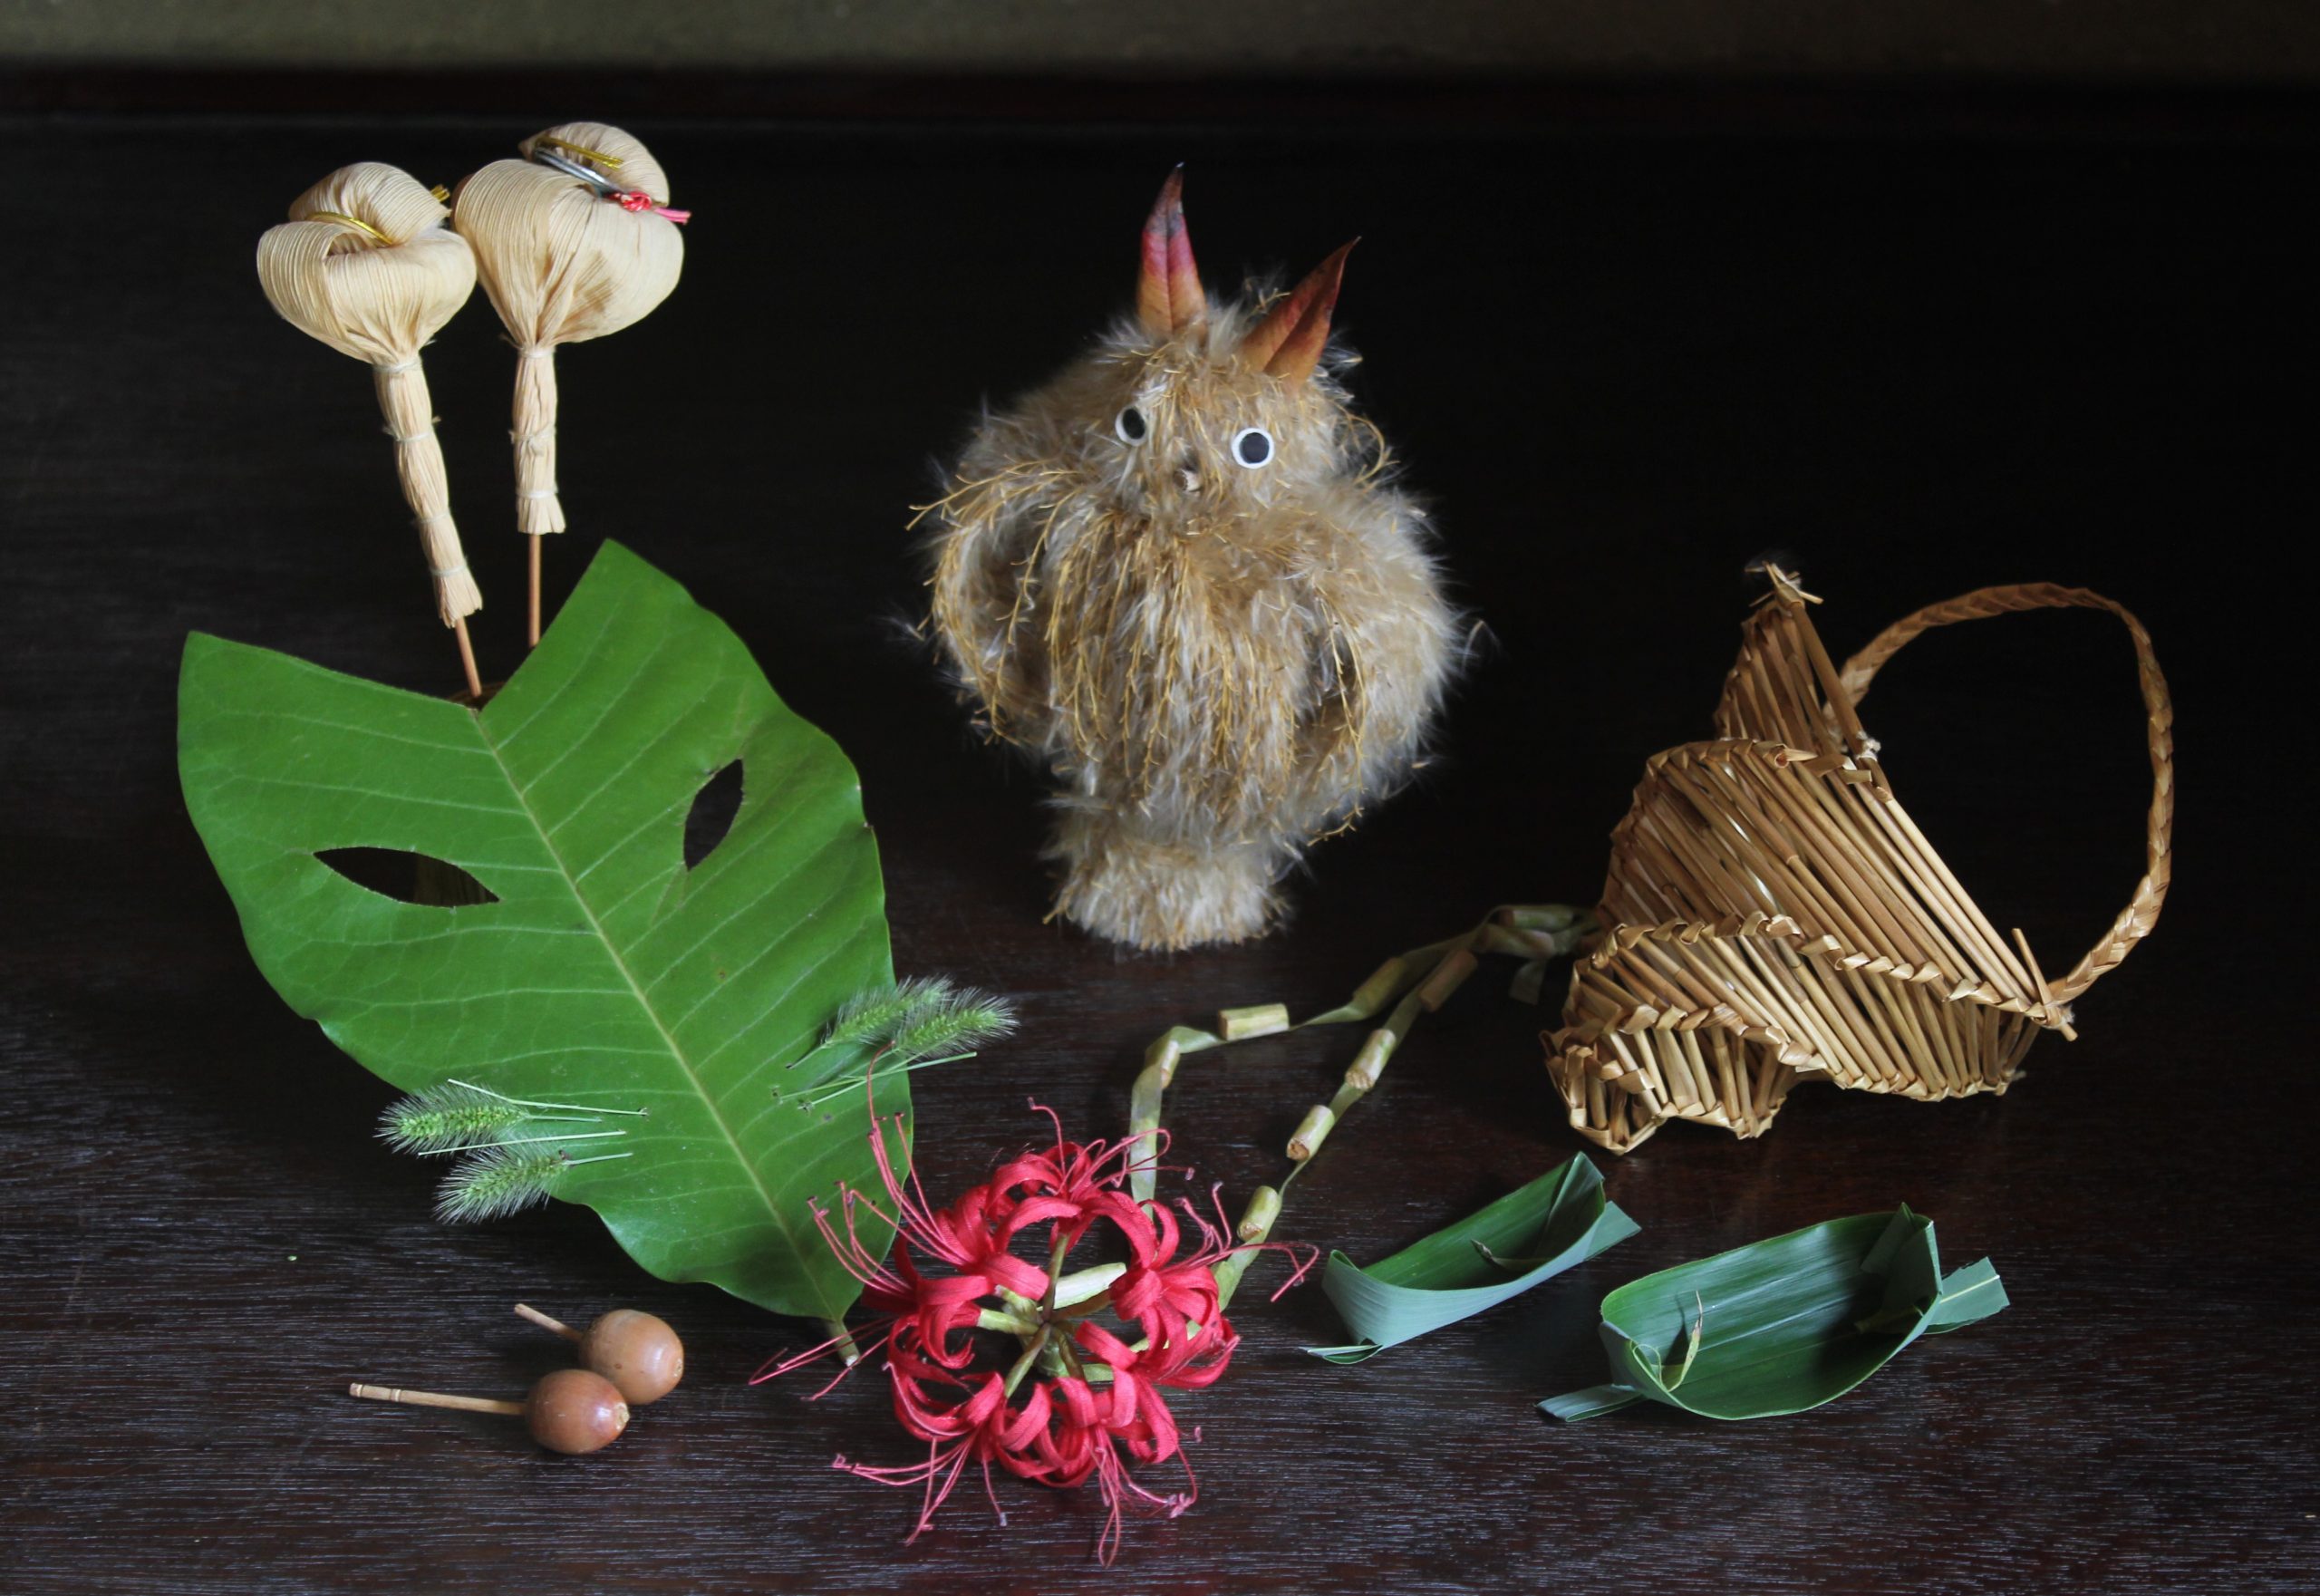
(842, 1342)
(1038, 1343)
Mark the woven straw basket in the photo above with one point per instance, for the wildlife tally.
(1773, 913)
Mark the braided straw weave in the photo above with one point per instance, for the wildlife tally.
(1775, 914)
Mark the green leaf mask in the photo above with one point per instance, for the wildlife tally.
(1556, 1222)
(606, 972)
(1783, 1325)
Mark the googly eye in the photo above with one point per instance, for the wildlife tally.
(1252, 446)
(1131, 426)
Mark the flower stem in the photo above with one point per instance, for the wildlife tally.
(1084, 1285)
(1024, 1364)
(842, 1340)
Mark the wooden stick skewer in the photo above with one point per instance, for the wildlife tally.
(467, 658)
(572, 1410)
(435, 1399)
(525, 1309)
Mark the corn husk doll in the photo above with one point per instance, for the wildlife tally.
(1179, 575)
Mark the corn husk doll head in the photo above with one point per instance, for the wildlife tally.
(1178, 575)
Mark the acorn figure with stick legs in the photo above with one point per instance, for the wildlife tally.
(1179, 575)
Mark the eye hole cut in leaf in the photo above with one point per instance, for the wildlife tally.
(606, 972)
(407, 877)
(1783, 1325)
(1527, 1237)
(712, 815)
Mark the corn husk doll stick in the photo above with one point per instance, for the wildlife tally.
(365, 264)
(572, 242)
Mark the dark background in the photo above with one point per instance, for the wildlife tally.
(1920, 339)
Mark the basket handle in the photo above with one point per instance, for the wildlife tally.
(2142, 913)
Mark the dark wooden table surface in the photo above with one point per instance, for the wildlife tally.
(1620, 364)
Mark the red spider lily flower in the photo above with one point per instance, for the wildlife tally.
(971, 1236)
(1091, 1429)
(982, 1428)
(929, 1311)
(1077, 1400)
(1176, 1301)
(1073, 1186)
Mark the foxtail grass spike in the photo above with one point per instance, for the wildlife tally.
(917, 1019)
(496, 1182)
(874, 1016)
(964, 1021)
(440, 1117)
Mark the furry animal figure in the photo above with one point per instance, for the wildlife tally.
(1178, 575)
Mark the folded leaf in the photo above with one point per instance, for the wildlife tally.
(603, 971)
(1528, 1237)
(1783, 1325)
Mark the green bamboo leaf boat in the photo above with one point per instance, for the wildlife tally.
(1783, 1325)
(1527, 1237)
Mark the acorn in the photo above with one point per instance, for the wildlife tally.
(572, 1411)
(637, 1351)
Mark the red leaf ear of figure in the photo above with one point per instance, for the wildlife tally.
(1168, 296)
(1287, 343)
